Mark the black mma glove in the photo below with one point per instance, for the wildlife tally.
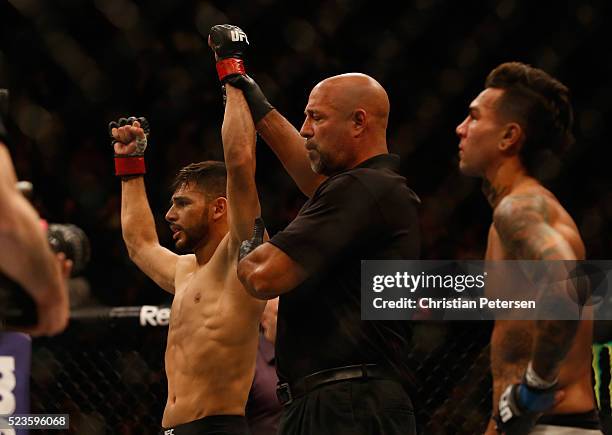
(230, 43)
(249, 245)
(520, 405)
(132, 164)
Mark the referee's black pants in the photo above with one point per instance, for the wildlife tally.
(352, 407)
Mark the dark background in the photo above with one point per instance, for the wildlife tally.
(72, 66)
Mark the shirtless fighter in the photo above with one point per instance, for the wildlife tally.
(214, 325)
(541, 369)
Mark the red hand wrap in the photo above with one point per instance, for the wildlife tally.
(226, 67)
(131, 165)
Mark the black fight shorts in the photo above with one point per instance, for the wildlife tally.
(211, 425)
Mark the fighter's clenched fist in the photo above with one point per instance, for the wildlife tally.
(129, 140)
(229, 43)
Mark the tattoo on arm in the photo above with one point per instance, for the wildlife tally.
(553, 341)
(522, 222)
(523, 227)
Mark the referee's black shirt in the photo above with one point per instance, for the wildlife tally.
(365, 213)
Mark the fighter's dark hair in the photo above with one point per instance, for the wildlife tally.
(540, 104)
(210, 176)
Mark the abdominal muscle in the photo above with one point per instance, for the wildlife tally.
(210, 356)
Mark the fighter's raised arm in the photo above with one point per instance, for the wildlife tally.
(282, 137)
(238, 136)
(129, 138)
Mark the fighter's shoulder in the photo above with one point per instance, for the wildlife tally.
(217, 265)
(555, 216)
(185, 264)
(223, 259)
(532, 204)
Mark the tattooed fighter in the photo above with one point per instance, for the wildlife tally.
(541, 369)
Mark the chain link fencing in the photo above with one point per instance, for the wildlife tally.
(107, 372)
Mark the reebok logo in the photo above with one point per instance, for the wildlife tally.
(154, 316)
(169, 432)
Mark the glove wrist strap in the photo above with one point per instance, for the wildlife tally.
(230, 66)
(129, 165)
(532, 379)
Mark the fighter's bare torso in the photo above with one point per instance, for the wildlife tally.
(212, 339)
(511, 341)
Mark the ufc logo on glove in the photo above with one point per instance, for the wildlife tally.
(237, 35)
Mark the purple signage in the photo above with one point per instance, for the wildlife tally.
(15, 356)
